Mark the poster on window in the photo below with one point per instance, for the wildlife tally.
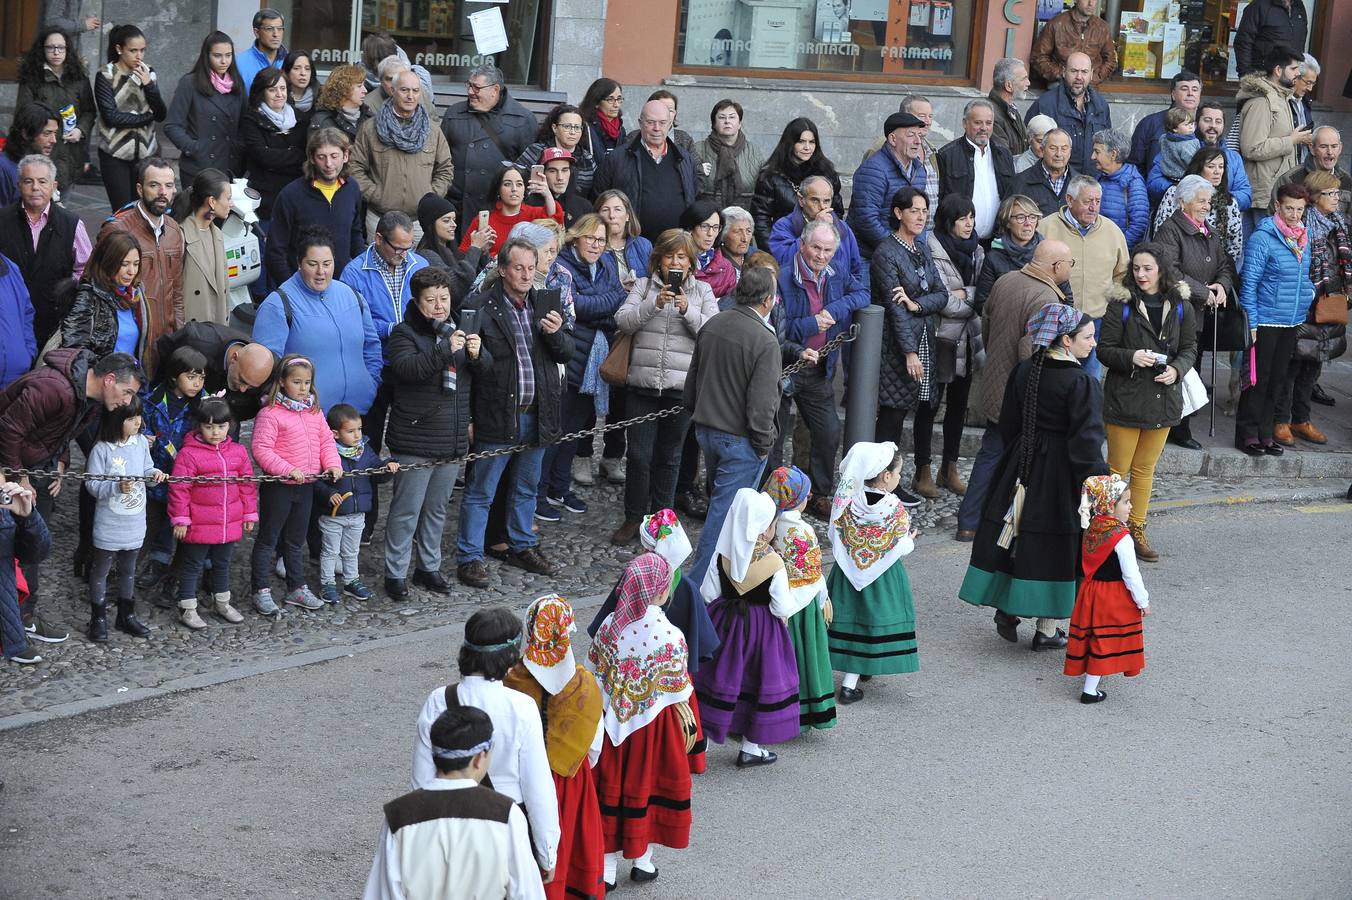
(833, 21)
(869, 10)
(1171, 57)
(1137, 60)
(710, 33)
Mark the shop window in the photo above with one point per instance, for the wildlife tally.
(1158, 38)
(435, 34)
(928, 39)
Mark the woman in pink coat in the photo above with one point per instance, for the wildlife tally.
(290, 438)
(210, 517)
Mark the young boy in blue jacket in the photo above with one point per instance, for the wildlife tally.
(342, 505)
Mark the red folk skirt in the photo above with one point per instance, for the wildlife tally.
(697, 760)
(1106, 637)
(578, 872)
(643, 787)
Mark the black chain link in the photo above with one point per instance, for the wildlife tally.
(843, 338)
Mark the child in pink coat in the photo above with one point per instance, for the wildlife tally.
(290, 438)
(209, 518)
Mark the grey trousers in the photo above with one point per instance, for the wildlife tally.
(341, 542)
(417, 516)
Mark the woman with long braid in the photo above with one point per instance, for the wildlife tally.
(1026, 552)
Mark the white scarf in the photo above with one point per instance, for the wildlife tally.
(646, 674)
(284, 120)
(796, 543)
(868, 537)
(864, 461)
(750, 515)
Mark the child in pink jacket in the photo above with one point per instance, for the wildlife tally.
(291, 438)
(209, 518)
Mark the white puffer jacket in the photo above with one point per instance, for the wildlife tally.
(664, 339)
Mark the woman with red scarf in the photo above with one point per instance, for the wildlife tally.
(110, 312)
(1106, 635)
(643, 776)
(601, 109)
(570, 711)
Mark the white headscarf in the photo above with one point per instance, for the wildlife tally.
(865, 460)
(662, 533)
(750, 516)
(548, 653)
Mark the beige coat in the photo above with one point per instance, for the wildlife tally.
(1004, 326)
(390, 179)
(206, 290)
(1265, 129)
(1101, 257)
(664, 340)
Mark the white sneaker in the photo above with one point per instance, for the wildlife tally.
(613, 469)
(582, 471)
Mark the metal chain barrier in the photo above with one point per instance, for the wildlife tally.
(843, 338)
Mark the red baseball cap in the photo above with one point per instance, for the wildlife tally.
(554, 153)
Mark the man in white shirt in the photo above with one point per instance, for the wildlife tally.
(455, 839)
(975, 167)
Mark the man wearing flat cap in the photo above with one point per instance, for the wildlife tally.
(900, 163)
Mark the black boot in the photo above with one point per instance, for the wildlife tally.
(98, 622)
(127, 621)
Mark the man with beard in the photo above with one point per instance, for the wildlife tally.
(161, 242)
(1268, 138)
(1009, 82)
(1211, 132)
(1077, 108)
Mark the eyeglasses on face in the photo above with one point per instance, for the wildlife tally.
(616, 98)
(478, 88)
(569, 128)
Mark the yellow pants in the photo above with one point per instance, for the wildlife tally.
(1132, 454)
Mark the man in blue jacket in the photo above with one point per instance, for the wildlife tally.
(815, 196)
(18, 347)
(899, 163)
(267, 48)
(1211, 132)
(819, 304)
(381, 273)
(1185, 90)
(1077, 108)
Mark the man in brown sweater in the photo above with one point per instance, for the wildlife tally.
(1004, 327)
(161, 242)
(1077, 29)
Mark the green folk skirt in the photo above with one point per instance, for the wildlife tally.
(873, 632)
(816, 683)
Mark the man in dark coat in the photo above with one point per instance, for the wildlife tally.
(514, 400)
(1077, 108)
(1267, 24)
(656, 175)
(235, 365)
(40, 414)
(1185, 91)
(976, 167)
(1010, 83)
(486, 130)
(1045, 182)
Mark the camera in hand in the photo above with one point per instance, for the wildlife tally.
(6, 498)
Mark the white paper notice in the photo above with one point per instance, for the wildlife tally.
(490, 36)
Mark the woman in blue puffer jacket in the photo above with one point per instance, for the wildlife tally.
(1276, 294)
(1125, 199)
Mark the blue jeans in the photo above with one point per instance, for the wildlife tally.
(979, 482)
(729, 465)
(482, 482)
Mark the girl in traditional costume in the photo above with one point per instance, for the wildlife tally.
(873, 630)
(751, 688)
(662, 533)
(796, 543)
(570, 713)
(643, 776)
(1106, 634)
(1026, 553)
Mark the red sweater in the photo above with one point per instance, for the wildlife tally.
(502, 223)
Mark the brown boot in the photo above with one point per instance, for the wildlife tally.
(923, 483)
(1281, 433)
(949, 478)
(1307, 431)
(1144, 552)
(626, 533)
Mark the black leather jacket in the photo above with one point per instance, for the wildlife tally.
(92, 321)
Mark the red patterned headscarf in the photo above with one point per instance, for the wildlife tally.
(646, 576)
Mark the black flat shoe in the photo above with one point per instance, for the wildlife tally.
(1252, 449)
(1096, 697)
(1007, 626)
(1320, 396)
(433, 581)
(863, 678)
(1273, 449)
(1055, 642)
(396, 589)
(850, 695)
(610, 886)
(1187, 444)
(744, 761)
(637, 874)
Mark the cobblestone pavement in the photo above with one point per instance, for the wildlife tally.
(79, 669)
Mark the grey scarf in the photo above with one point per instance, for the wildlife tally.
(408, 135)
(284, 120)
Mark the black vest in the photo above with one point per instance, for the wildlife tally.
(42, 269)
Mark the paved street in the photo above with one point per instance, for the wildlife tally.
(1222, 771)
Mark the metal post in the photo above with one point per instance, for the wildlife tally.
(861, 401)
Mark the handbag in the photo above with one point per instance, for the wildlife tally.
(1226, 328)
(1330, 309)
(615, 369)
(1194, 393)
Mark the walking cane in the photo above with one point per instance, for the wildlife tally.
(1215, 329)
